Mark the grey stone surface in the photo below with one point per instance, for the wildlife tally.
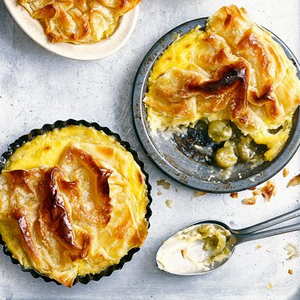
(38, 87)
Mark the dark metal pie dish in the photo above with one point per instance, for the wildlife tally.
(174, 154)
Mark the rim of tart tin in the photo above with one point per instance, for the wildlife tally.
(58, 125)
(265, 171)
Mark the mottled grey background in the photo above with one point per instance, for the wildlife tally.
(38, 87)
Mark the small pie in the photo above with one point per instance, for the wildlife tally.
(73, 202)
(232, 72)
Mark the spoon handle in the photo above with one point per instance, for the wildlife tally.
(242, 238)
(266, 224)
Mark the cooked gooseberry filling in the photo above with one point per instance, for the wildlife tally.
(219, 131)
(218, 142)
(225, 156)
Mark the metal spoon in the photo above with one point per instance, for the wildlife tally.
(236, 237)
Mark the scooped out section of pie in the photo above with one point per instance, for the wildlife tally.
(232, 75)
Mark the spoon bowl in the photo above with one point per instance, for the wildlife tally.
(190, 252)
(207, 245)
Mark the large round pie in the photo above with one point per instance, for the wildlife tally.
(73, 202)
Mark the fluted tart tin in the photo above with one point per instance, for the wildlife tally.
(64, 124)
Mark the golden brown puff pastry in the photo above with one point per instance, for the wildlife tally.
(72, 202)
(233, 70)
(78, 21)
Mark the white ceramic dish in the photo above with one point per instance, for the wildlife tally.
(34, 30)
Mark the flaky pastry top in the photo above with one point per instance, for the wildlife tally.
(232, 70)
(78, 21)
(76, 209)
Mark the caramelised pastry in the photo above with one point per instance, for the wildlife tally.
(232, 72)
(73, 202)
(78, 22)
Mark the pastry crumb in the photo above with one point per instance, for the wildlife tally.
(269, 190)
(183, 253)
(169, 203)
(270, 286)
(256, 193)
(250, 201)
(159, 193)
(294, 181)
(253, 188)
(234, 195)
(198, 194)
(258, 247)
(165, 184)
(285, 172)
(292, 251)
(290, 271)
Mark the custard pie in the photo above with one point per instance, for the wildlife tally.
(78, 22)
(73, 203)
(234, 77)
